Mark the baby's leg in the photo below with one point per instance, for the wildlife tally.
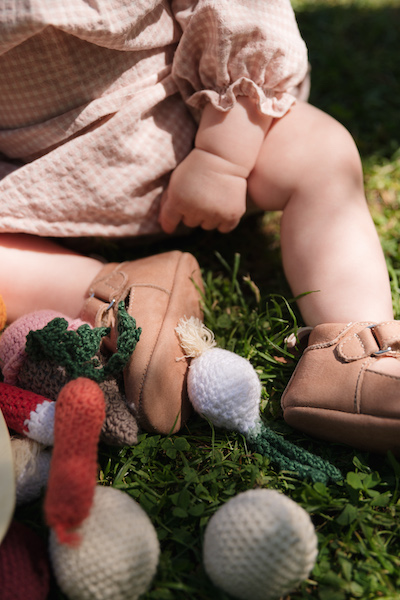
(157, 291)
(346, 386)
(310, 169)
(37, 274)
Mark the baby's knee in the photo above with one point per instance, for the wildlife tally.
(329, 160)
(337, 153)
(306, 149)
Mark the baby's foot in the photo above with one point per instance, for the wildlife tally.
(345, 387)
(157, 291)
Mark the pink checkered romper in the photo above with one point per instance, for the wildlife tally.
(99, 101)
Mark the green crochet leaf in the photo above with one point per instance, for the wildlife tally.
(292, 458)
(128, 337)
(76, 350)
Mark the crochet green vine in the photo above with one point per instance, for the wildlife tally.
(77, 351)
(292, 458)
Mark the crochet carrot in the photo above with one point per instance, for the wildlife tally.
(80, 412)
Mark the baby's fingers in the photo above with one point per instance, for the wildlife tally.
(222, 225)
(169, 218)
(228, 226)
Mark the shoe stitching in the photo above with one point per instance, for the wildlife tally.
(169, 293)
(394, 338)
(105, 281)
(347, 340)
(384, 347)
(314, 409)
(152, 285)
(383, 374)
(330, 343)
(89, 307)
(338, 337)
(356, 404)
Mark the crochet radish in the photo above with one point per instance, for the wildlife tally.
(225, 389)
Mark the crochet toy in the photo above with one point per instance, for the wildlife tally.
(225, 389)
(60, 390)
(259, 545)
(89, 524)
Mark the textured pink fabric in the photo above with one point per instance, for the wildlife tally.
(94, 100)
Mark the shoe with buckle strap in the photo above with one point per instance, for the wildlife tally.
(346, 386)
(157, 291)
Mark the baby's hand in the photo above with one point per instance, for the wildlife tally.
(205, 190)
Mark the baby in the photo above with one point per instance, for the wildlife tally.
(133, 117)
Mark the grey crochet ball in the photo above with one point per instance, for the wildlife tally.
(118, 554)
(259, 545)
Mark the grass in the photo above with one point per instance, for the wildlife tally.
(181, 480)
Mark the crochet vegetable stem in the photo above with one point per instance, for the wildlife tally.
(290, 457)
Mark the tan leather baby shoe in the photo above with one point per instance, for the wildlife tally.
(157, 291)
(346, 386)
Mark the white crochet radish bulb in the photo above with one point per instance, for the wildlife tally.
(118, 554)
(259, 545)
(222, 386)
(225, 389)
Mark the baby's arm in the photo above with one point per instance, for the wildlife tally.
(208, 188)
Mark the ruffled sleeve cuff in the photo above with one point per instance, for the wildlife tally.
(231, 49)
(269, 102)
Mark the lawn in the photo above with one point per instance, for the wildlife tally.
(181, 480)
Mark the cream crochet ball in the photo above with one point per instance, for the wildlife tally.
(118, 554)
(259, 545)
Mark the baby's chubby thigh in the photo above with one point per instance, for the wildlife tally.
(304, 150)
